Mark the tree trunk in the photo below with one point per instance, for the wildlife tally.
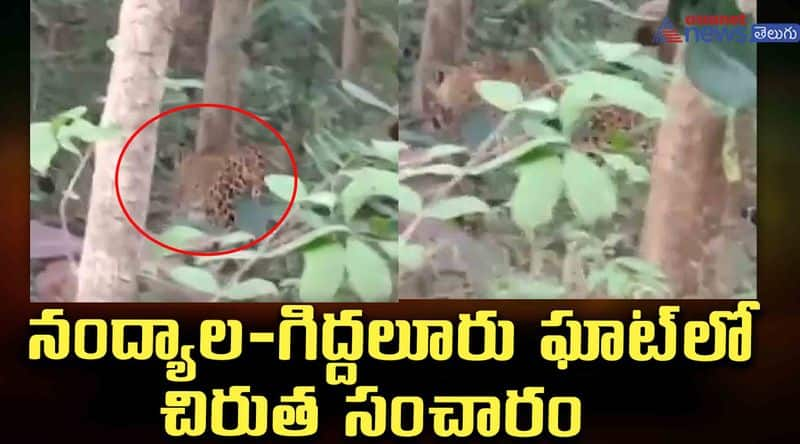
(444, 42)
(352, 44)
(191, 37)
(230, 23)
(110, 262)
(688, 191)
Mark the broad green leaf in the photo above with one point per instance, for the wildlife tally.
(367, 272)
(620, 162)
(391, 248)
(323, 272)
(388, 150)
(180, 236)
(616, 52)
(617, 282)
(411, 256)
(74, 113)
(453, 207)
(251, 288)
(574, 100)
(622, 92)
(282, 186)
(409, 201)
(438, 151)
(367, 97)
(439, 169)
(650, 66)
(43, 146)
(725, 75)
(590, 191)
(503, 95)
(85, 131)
(516, 153)
(544, 105)
(195, 278)
(323, 198)
(367, 183)
(538, 189)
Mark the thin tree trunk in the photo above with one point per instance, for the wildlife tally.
(688, 191)
(230, 23)
(110, 262)
(191, 36)
(444, 42)
(352, 44)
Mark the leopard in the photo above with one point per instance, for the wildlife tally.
(210, 183)
(452, 94)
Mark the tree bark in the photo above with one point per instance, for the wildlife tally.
(191, 36)
(352, 44)
(444, 42)
(688, 192)
(230, 22)
(110, 262)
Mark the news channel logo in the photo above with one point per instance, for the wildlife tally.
(756, 33)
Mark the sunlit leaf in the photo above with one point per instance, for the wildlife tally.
(368, 273)
(503, 95)
(590, 190)
(453, 207)
(195, 278)
(538, 189)
(323, 272)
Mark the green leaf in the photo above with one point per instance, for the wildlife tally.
(438, 151)
(503, 95)
(408, 200)
(453, 207)
(251, 288)
(439, 169)
(387, 150)
(724, 71)
(574, 100)
(43, 146)
(411, 256)
(538, 189)
(620, 162)
(180, 236)
(650, 66)
(323, 198)
(195, 278)
(590, 190)
(323, 272)
(617, 282)
(544, 105)
(85, 131)
(282, 186)
(367, 97)
(368, 274)
(516, 153)
(367, 183)
(74, 113)
(616, 52)
(391, 248)
(622, 92)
